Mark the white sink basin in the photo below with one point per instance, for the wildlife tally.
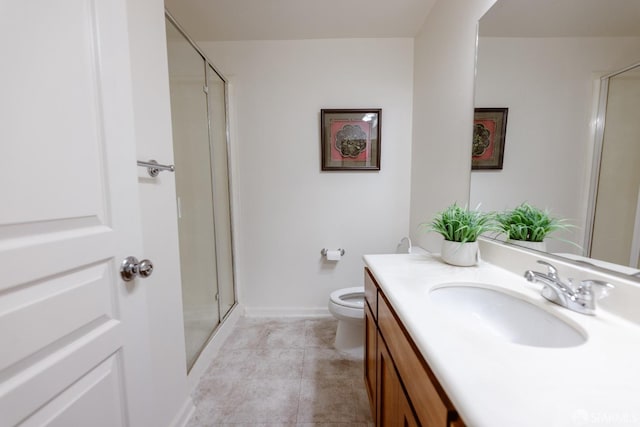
(505, 316)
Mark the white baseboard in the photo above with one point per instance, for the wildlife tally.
(286, 312)
(185, 413)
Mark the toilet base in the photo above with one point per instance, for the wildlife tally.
(350, 338)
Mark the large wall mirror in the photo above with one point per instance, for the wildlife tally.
(545, 61)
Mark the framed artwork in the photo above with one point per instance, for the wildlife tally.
(350, 139)
(489, 133)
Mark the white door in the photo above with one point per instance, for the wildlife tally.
(73, 334)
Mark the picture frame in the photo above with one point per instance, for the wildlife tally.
(350, 139)
(489, 135)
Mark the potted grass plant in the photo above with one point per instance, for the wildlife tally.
(460, 228)
(529, 226)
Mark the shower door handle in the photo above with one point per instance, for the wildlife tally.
(130, 268)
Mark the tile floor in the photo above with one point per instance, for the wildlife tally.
(282, 372)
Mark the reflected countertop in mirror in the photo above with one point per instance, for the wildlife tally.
(544, 62)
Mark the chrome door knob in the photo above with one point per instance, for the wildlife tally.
(145, 268)
(130, 268)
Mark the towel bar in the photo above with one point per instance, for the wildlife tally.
(154, 168)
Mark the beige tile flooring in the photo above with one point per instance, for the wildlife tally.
(282, 372)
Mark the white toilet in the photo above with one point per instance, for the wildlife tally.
(347, 305)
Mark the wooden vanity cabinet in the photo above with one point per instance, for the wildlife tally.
(402, 389)
(393, 408)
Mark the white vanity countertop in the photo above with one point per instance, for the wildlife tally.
(493, 382)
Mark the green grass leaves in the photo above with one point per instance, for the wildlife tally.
(462, 225)
(525, 222)
(528, 223)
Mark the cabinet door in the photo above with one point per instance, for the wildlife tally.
(419, 384)
(370, 372)
(394, 409)
(388, 388)
(407, 417)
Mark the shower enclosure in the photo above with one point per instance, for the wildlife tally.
(200, 145)
(615, 199)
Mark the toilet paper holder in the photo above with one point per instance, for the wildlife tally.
(323, 252)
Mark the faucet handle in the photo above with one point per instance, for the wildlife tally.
(602, 288)
(553, 272)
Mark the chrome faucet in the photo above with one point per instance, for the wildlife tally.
(580, 298)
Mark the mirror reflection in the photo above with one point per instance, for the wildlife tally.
(616, 212)
(545, 61)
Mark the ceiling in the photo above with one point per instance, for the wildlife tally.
(562, 18)
(225, 20)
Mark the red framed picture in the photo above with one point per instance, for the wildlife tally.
(350, 139)
(489, 134)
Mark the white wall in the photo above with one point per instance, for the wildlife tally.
(443, 111)
(157, 203)
(547, 84)
(287, 209)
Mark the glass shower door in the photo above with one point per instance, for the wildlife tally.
(222, 206)
(194, 189)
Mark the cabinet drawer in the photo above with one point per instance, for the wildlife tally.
(371, 292)
(418, 381)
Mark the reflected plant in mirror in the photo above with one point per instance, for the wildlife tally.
(529, 226)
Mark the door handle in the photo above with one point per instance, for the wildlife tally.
(130, 268)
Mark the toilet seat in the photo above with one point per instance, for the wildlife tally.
(349, 297)
(347, 304)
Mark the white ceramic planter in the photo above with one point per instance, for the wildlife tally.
(460, 254)
(538, 246)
